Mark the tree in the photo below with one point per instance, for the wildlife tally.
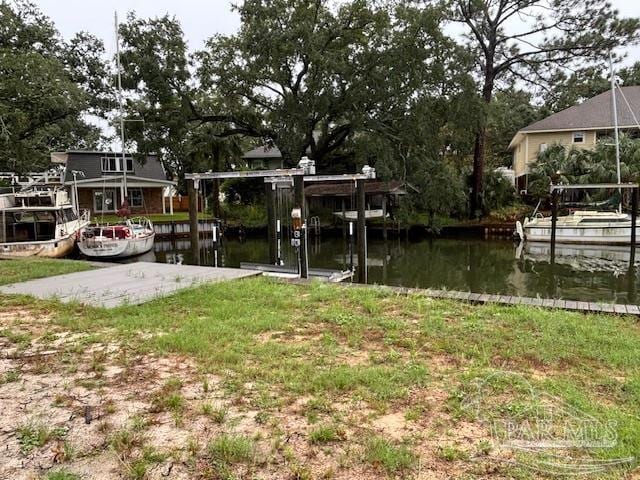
(511, 110)
(583, 84)
(523, 40)
(305, 76)
(47, 87)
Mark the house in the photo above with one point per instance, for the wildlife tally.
(95, 180)
(263, 158)
(578, 126)
(337, 196)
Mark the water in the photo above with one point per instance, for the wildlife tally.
(479, 266)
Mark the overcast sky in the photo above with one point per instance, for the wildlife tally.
(200, 19)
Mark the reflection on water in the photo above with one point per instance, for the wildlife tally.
(598, 273)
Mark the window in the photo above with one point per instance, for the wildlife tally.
(69, 215)
(578, 137)
(543, 147)
(114, 164)
(104, 201)
(136, 198)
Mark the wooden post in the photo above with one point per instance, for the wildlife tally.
(554, 222)
(384, 218)
(634, 215)
(271, 221)
(298, 199)
(362, 234)
(344, 221)
(193, 222)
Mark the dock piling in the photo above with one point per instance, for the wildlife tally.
(298, 194)
(362, 233)
(193, 220)
(554, 222)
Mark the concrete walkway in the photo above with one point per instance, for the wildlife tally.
(131, 283)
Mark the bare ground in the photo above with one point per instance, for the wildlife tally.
(100, 409)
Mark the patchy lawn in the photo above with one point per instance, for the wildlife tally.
(20, 270)
(260, 379)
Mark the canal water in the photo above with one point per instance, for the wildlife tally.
(475, 265)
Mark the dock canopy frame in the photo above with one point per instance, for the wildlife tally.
(555, 189)
(306, 172)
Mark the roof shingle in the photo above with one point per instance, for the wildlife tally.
(595, 112)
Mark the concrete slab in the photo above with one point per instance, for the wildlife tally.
(126, 284)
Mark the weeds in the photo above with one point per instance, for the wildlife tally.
(389, 456)
(325, 434)
(35, 435)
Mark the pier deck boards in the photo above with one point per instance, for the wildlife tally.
(131, 283)
(587, 307)
(484, 298)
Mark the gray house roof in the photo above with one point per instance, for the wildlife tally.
(91, 164)
(594, 113)
(262, 152)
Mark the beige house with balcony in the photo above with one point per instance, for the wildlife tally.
(579, 126)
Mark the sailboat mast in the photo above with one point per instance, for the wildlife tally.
(615, 123)
(121, 108)
(615, 116)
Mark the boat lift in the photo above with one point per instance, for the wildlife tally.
(296, 176)
(555, 190)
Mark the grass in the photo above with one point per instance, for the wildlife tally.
(391, 457)
(20, 270)
(325, 434)
(228, 450)
(62, 475)
(34, 435)
(154, 217)
(335, 345)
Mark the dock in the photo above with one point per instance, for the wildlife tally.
(485, 298)
(126, 284)
(285, 272)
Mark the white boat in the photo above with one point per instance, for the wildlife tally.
(585, 227)
(127, 239)
(39, 223)
(584, 258)
(352, 215)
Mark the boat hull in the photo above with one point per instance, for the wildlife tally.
(56, 248)
(116, 248)
(606, 235)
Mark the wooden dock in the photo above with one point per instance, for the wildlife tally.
(484, 298)
(126, 284)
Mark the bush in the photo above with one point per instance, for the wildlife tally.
(498, 192)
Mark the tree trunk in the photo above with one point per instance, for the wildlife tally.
(480, 147)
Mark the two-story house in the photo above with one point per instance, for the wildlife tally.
(97, 177)
(579, 126)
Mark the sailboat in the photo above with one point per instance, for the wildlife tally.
(588, 226)
(132, 236)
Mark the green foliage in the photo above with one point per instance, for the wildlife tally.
(230, 449)
(559, 164)
(62, 475)
(325, 434)
(391, 457)
(570, 34)
(47, 86)
(35, 435)
(441, 191)
(498, 192)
